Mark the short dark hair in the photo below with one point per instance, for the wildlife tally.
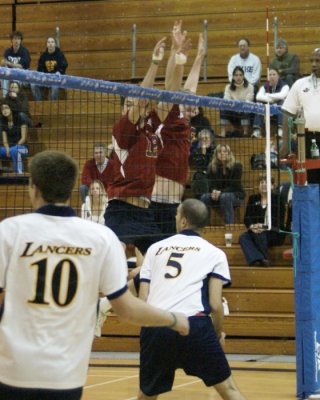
(54, 173)
(98, 144)
(195, 212)
(17, 34)
(246, 39)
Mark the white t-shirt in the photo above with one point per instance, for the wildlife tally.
(86, 211)
(305, 92)
(179, 268)
(52, 268)
(251, 66)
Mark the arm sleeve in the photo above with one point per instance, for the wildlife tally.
(63, 63)
(113, 278)
(86, 174)
(3, 256)
(25, 59)
(145, 272)
(231, 67)
(248, 220)
(291, 103)
(256, 75)
(234, 182)
(125, 132)
(294, 67)
(227, 93)
(262, 95)
(280, 95)
(41, 66)
(250, 93)
(221, 267)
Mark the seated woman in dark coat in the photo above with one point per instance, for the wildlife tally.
(14, 132)
(224, 183)
(256, 241)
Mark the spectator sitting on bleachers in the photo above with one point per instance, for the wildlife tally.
(256, 241)
(97, 168)
(14, 136)
(224, 183)
(15, 56)
(287, 64)
(52, 61)
(19, 101)
(199, 121)
(273, 91)
(238, 89)
(249, 62)
(95, 203)
(201, 150)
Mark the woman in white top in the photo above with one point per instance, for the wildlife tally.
(238, 89)
(273, 91)
(95, 203)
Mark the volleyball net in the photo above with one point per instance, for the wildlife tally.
(88, 109)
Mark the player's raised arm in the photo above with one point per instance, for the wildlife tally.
(191, 83)
(139, 105)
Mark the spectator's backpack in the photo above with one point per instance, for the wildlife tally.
(258, 161)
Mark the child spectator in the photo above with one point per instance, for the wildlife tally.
(15, 56)
(52, 61)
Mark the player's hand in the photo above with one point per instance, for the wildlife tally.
(222, 340)
(158, 50)
(182, 326)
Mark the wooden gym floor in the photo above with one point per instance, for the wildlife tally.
(258, 378)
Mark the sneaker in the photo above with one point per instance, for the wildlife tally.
(256, 133)
(104, 307)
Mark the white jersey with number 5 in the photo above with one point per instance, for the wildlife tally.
(178, 270)
(52, 267)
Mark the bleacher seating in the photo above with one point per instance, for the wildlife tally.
(96, 38)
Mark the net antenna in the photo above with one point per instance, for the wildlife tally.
(268, 131)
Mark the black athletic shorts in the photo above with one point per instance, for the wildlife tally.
(163, 350)
(17, 393)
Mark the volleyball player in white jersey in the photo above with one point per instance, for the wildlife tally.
(52, 267)
(185, 273)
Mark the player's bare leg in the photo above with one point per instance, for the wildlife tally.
(142, 396)
(228, 390)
